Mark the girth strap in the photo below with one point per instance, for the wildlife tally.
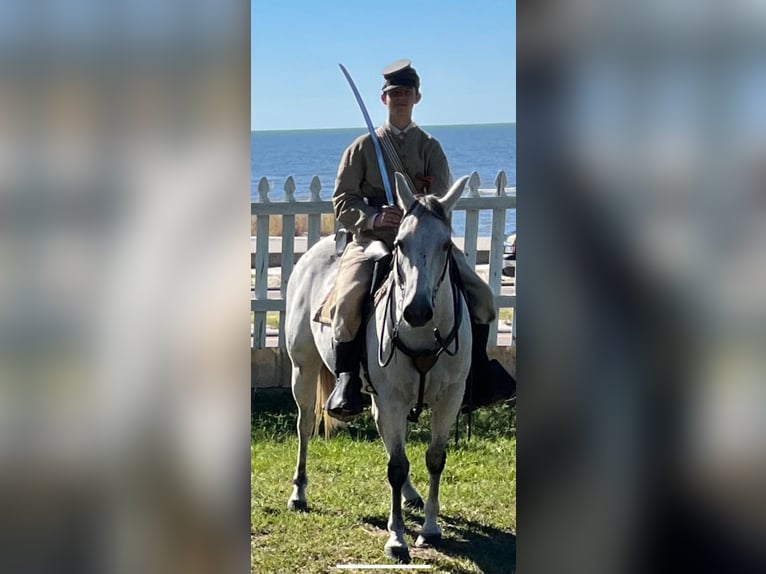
(414, 413)
(423, 362)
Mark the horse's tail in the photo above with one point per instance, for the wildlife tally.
(325, 384)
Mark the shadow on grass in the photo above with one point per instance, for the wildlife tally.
(490, 549)
(274, 416)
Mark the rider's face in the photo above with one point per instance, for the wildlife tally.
(401, 99)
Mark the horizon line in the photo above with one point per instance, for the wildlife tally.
(365, 127)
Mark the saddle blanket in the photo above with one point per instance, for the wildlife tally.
(326, 311)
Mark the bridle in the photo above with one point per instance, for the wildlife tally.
(423, 361)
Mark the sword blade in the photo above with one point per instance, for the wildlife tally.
(373, 135)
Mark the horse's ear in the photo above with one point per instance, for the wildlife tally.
(404, 195)
(449, 199)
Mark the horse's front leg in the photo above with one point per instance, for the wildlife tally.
(442, 417)
(392, 428)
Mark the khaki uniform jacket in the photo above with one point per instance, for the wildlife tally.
(359, 193)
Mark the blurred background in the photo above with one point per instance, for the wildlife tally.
(124, 288)
(642, 408)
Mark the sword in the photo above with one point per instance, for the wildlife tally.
(373, 135)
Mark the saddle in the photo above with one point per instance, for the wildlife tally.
(378, 252)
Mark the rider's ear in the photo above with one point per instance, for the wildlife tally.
(449, 199)
(404, 195)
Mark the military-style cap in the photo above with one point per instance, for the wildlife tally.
(400, 74)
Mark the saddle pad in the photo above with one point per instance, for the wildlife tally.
(326, 310)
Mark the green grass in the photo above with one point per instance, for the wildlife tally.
(349, 496)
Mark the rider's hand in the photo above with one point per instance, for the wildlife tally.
(388, 218)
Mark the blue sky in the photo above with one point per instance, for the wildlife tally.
(465, 53)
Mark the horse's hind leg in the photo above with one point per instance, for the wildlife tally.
(411, 497)
(304, 392)
(436, 457)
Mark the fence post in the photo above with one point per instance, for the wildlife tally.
(263, 190)
(261, 266)
(288, 252)
(496, 248)
(471, 222)
(289, 189)
(315, 219)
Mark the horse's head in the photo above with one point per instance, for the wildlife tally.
(423, 247)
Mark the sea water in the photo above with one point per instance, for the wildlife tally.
(486, 149)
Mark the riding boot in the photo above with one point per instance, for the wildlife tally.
(345, 401)
(488, 382)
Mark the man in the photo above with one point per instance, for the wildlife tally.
(359, 201)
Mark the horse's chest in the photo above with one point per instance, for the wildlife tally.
(405, 373)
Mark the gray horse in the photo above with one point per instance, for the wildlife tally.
(418, 348)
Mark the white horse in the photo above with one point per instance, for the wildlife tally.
(422, 321)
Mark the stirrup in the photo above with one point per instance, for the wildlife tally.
(345, 401)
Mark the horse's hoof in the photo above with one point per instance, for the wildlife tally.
(428, 540)
(399, 553)
(297, 505)
(414, 504)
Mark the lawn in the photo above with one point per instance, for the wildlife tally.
(349, 496)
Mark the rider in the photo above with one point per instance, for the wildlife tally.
(360, 205)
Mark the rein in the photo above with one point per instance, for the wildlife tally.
(423, 361)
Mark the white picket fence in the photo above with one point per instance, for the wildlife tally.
(263, 248)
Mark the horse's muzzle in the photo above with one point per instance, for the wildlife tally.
(418, 313)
